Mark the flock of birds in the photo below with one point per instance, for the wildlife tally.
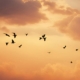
(42, 37)
(14, 34)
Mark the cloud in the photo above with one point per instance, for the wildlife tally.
(70, 26)
(49, 72)
(18, 12)
(74, 3)
(53, 7)
(4, 29)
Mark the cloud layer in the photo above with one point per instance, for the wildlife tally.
(49, 72)
(53, 7)
(17, 12)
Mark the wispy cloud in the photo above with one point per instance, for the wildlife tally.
(70, 26)
(54, 8)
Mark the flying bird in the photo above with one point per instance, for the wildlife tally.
(64, 47)
(26, 34)
(71, 62)
(12, 41)
(76, 49)
(40, 38)
(20, 46)
(6, 43)
(44, 38)
(14, 34)
(7, 34)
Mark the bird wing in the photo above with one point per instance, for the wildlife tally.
(12, 40)
(20, 45)
(13, 33)
(44, 39)
(63, 47)
(40, 38)
(14, 36)
(7, 34)
(27, 34)
(43, 35)
(6, 43)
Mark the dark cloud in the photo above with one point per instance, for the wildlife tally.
(18, 12)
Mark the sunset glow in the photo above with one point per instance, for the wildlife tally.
(59, 20)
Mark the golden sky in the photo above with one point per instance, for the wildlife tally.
(59, 20)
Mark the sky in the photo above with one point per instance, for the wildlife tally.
(59, 20)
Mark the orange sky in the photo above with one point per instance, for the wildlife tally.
(59, 20)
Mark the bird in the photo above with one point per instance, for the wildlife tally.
(40, 38)
(76, 49)
(12, 41)
(26, 34)
(49, 52)
(7, 34)
(14, 35)
(64, 47)
(44, 38)
(20, 45)
(71, 62)
(6, 43)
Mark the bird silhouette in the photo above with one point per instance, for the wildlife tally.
(7, 43)
(14, 34)
(71, 62)
(12, 41)
(44, 38)
(40, 38)
(76, 49)
(26, 34)
(20, 45)
(64, 47)
(7, 34)
(43, 35)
